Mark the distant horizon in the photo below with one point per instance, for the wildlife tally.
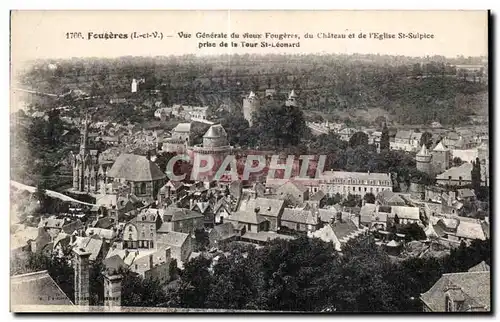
(216, 55)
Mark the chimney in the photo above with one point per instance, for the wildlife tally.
(81, 267)
(191, 203)
(112, 291)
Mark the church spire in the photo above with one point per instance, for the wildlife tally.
(84, 135)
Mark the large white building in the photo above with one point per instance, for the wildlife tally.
(354, 183)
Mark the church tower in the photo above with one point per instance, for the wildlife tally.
(251, 104)
(423, 159)
(292, 99)
(133, 86)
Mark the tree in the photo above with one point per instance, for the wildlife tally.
(457, 162)
(369, 197)
(195, 283)
(476, 176)
(384, 139)
(358, 139)
(426, 139)
(279, 126)
(337, 198)
(141, 292)
(352, 201)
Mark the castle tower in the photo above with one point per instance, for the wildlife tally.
(81, 267)
(133, 88)
(112, 290)
(251, 104)
(292, 99)
(423, 159)
(440, 158)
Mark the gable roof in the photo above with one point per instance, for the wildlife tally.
(36, 288)
(440, 147)
(182, 127)
(318, 196)
(267, 207)
(405, 212)
(481, 267)
(300, 216)
(246, 216)
(114, 263)
(92, 244)
(173, 238)
(470, 230)
(185, 214)
(222, 231)
(135, 168)
(471, 287)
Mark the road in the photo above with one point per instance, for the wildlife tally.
(50, 193)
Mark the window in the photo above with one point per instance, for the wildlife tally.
(249, 227)
(129, 228)
(359, 188)
(143, 188)
(377, 189)
(449, 304)
(353, 188)
(130, 236)
(365, 189)
(143, 235)
(371, 189)
(151, 234)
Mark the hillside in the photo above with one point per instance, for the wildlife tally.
(406, 90)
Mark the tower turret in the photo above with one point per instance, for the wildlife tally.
(292, 99)
(250, 105)
(424, 159)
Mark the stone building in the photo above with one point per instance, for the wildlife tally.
(180, 140)
(140, 175)
(354, 183)
(292, 99)
(251, 104)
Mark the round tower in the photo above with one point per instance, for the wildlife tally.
(250, 105)
(424, 159)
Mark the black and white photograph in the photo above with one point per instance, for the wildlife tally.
(237, 161)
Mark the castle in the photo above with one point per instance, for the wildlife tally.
(434, 162)
(252, 103)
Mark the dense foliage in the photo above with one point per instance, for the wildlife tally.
(308, 275)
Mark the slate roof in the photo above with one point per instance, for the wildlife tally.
(267, 207)
(92, 244)
(470, 230)
(101, 232)
(440, 147)
(185, 214)
(135, 168)
(299, 216)
(404, 212)
(51, 223)
(343, 228)
(73, 226)
(36, 288)
(326, 215)
(471, 287)
(215, 131)
(356, 175)
(21, 237)
(481, 267)
(318, 196)
(182, 127)
(173, 239)
(114, 263)
(465, 193)
(246, 216)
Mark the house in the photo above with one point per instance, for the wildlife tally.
(52, 225)
(106, 234)
(354, 183)
(389, 198)
(221, 234)
(248, 221)
(222, 209)
(466, 195)
(461, 176)
(91, 244)
(140, 232)
(406, 215)
(339, 232)
(294, 192)
(317, 200)
(374, 216)
(172, 189)
(301, 219)
(206, 209)
(406, 140)
(180, 245)
(21, 239)
(459, 292)
(270, 209)
(36, 288)
(182, 221)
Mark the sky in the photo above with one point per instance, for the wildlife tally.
(42, 34)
